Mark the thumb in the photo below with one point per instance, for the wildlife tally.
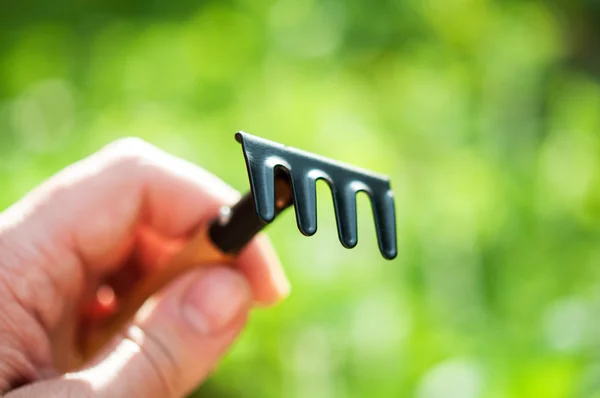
(176, 339)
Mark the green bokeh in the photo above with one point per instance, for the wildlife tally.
(486, 115)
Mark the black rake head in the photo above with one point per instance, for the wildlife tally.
(269, 162)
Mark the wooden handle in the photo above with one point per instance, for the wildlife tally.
(200, 250)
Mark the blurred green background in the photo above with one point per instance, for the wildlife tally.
(486, 114)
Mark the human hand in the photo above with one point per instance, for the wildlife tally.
(109, 220)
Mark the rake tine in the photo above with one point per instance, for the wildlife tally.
(304, 190)
(264, 158)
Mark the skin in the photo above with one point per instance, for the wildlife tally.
(109, 220)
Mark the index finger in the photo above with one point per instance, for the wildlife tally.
(92, 207)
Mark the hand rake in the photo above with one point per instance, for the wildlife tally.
(280, 177)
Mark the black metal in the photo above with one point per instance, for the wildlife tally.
(264, 158)
(240, 223)
(231, 234)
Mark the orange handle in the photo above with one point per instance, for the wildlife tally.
(200, 250)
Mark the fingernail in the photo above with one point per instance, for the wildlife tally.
(216, 300)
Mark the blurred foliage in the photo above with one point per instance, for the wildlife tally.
(485, 113)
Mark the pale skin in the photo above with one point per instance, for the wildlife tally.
(111, 219)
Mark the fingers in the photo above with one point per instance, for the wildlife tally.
(269, 283)
(91, 208)
(177, 338)
(175, 342)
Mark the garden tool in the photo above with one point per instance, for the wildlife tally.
(280, 176)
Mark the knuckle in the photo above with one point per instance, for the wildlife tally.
(129, 150)
(128, 145)
(130, 156)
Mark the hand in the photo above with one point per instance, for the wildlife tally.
(111, 219)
